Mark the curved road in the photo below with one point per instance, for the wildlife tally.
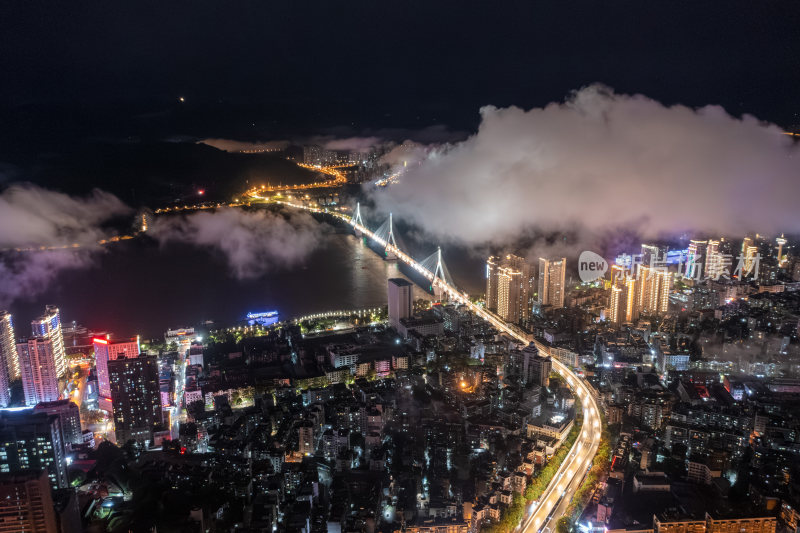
(559, 493)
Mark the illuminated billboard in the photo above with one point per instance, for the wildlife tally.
(264, 318)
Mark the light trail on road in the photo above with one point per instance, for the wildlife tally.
(568, 478)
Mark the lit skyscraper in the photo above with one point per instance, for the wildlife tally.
(654, 286)
(317, 155)
(551, 281)
(9, 360)
(106, 350)
(615, 313)
(39, 371)
(616, 306)
(749, 252)
(492, 266)
(764, 245)
(632, 308)
(312, 154)
(623, 301)
(650, 252)
(49, 326)
(7, 348)
(508, 287)
(746, 243)
(136, 397)
(713, 263)
(526, 278)
(647, 291)
(696, 258)
(400, 298)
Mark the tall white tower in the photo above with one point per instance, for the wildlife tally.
(781, 241)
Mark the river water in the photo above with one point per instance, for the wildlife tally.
(137, 287)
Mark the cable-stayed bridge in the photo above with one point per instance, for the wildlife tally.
(541, 516)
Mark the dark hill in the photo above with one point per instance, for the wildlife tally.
(157, 173)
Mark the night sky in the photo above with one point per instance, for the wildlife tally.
(102, 105)
(262, 70)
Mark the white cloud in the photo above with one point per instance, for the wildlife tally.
(253, 242)
(602, 160)
(354, 144)
(32, 216)
(28, 274)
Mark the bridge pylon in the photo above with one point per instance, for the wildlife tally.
(390, 255)
(356, 219)
(438, 274)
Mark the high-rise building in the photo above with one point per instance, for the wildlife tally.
(624, 299)
(551, 281)
(535, 368)
(651, 253)
(748, 253)
(508, 287)
(653, 288)
(8, 349)
(615, 313)
(618, 295)
(317, 155)
(525, 268)
(305, 434)
(746, 243)
(49, 326)
(69, 420)
(106, 350)
(39, 370)
(9, 360)
(632, 308)
(27, 503)
(696, 258)
(714, 266)
(492, 268)
(136, 397)
(764, 245)
(400, 298)
(31, 441)
(646, 291)
(312, 154)
(747, 249)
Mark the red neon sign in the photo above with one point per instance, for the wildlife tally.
(101, 341)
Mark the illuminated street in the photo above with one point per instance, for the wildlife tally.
(559, 493)
(563, 486)
(400, 267)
